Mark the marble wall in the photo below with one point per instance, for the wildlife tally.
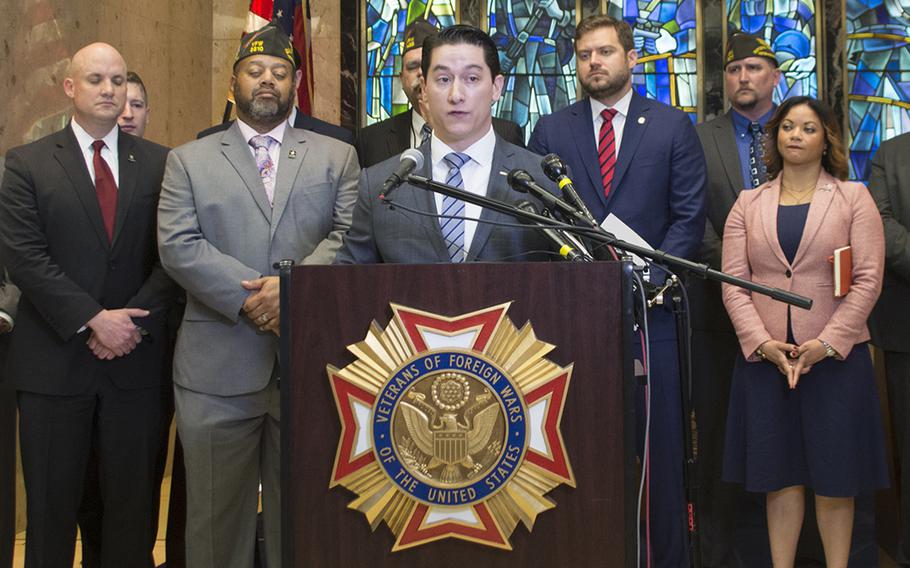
(168, 42)
(183, 49)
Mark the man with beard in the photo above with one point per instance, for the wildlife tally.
(232, 205)
(735, 160)
(639, 160)
(410, 129)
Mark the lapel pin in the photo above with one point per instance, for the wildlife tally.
(641, 120)
(292, 154)
(131, 158)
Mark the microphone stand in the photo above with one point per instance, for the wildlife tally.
(599, 235)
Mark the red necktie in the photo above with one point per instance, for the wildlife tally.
(606, 149)
(105, 188)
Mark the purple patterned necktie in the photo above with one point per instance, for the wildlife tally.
(262, 144)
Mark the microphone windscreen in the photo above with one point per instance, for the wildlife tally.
(414, 155)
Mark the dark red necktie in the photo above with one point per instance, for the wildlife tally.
(606, 149)
(105, 188)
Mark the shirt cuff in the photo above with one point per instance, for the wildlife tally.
(8, 318)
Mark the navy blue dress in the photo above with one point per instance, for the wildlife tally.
(826, 434)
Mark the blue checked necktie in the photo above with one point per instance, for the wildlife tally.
(453, 229)
(757, 155)
(262, 144)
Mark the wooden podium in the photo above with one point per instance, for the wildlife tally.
(583, 309)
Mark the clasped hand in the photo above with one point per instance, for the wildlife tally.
(793, 360)
(113, 332)
(263, 305)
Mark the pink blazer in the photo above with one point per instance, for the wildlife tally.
(841, 213)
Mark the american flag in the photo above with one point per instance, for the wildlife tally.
(294, 16)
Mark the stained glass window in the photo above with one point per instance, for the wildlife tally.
(536, 55)
(878, 77)
(665, 34)
(789, 26)
(384, 25)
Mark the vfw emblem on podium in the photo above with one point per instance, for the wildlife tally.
(450, 427)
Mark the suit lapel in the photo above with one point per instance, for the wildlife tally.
(725, 140)
(770, 200)
(237, 151)
(130, 166)
(292, 154)
(582, 128)
(71, 158)
(818, 209)
(426, 201)
(636, 124)
(497, 189)
(399, 138)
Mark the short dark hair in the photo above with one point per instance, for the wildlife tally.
(133, 77)
(597, 21)
(461, 34)
(834, 159)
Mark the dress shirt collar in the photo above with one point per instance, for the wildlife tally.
(417, 123)
(249, 132)
(85, 139)
(741, 123)
(621, 106)
(292, 117)
(480, 151)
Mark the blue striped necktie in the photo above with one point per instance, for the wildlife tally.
(453, 229)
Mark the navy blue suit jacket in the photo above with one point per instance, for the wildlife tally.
(659, 184)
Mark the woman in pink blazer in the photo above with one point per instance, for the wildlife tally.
(803, 405)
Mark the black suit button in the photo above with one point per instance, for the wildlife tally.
(788, 274)
(112, 265)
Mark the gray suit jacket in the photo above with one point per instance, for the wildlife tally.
(380, 234)
(9, 292)
(889, 182)
(216, 228)
(725, 181)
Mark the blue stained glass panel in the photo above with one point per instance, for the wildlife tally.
(665, 39)
(385, 22)
(878, 77)
(789, 27)
(536, 55)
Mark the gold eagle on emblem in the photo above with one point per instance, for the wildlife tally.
(446, 440)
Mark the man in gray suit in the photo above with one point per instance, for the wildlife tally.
(232, 205)
(461, 80)
(889, 182)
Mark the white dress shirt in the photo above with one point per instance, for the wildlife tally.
(108, 153)
(475, 174)
(619, 119)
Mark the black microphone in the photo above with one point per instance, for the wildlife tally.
(555, 169)
(521, 181)
(411, 159)
(565, 249)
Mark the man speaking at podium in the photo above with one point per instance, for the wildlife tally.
(461, 80)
